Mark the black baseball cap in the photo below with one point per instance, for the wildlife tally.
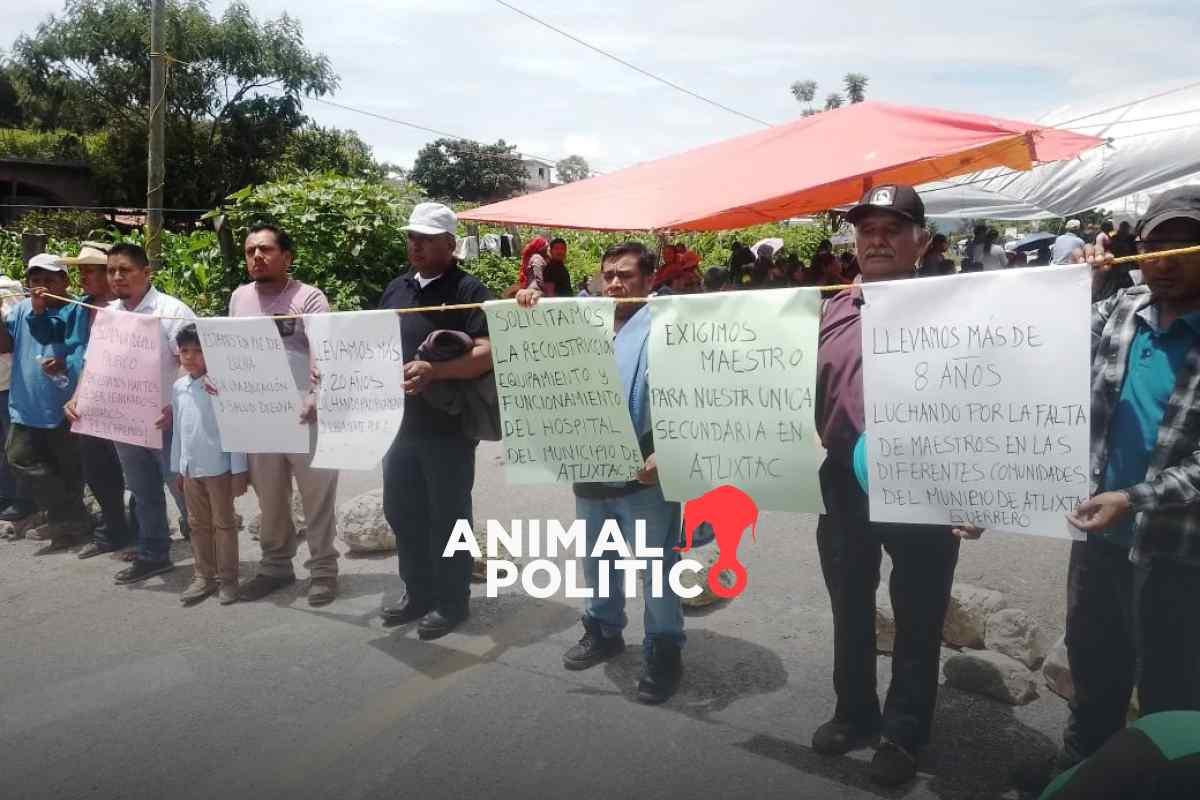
(1183, 201)
(896, 199)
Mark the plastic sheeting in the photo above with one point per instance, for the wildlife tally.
(1154, 143)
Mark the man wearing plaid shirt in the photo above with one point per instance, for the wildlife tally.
(1133, 587)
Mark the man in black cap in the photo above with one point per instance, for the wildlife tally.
(1133, 586)
(890, 235)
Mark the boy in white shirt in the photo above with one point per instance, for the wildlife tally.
(209, 478)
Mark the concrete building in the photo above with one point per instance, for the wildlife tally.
(539, 173)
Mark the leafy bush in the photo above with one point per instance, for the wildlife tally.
(494, 271)
(347, 231)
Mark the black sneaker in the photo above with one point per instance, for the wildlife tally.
(140, 570)
(593, 648)
(660, 672)
(838, 737)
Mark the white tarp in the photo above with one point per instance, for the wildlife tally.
(1154, 144)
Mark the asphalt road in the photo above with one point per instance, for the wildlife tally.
(118, 692)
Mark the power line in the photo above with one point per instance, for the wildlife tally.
(1114, 123)
(434, 131)
(1119, 106)
(633, 67)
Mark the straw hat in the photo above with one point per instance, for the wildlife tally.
(92, 254)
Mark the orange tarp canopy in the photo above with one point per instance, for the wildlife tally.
(812, 164)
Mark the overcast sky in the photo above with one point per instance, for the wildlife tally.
(475, 68)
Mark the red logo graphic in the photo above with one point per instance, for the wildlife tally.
(729, 511)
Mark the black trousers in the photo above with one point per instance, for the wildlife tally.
(923, 562)
(102, 472)
(427, 483)
(1128, 625)
(48, 458)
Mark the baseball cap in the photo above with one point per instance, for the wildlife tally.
(897, 199)
(89, 255)
(431, 219)
(1073, 224)
(48, 262)
(1183, 201)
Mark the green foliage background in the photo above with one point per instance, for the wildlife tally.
(349, 241)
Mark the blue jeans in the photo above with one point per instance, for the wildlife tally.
(664, 615)
(146, 472)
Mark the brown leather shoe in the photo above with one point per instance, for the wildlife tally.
(322, 591)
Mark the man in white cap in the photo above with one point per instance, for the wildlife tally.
(1066, 244)
(101, 465)
(18, 511)
(429, 472)
(41, 447)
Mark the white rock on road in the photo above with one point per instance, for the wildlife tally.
(967, 615)
(362, 526)
(706, 556)
(1015, 633)
(993, 675)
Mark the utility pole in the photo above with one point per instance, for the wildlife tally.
(156, 173)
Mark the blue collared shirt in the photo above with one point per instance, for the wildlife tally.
(1155, 358)
(196, 443)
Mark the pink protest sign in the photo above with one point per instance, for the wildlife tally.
(119, 396)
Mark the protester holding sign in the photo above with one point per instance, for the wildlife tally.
(147, 469)
(890, 239)
(41, 447)
(1133, 586)
(429, 472)
(101, 466)
(626, 271)
(273, 292)
(19, 513)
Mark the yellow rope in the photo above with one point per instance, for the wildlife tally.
(470, 306)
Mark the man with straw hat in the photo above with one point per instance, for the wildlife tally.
(101, 466)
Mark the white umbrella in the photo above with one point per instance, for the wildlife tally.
(773, 243)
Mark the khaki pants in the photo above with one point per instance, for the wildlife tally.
(214, 527)
(271, 476)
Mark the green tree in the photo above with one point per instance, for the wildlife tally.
(317, 149)
(856, 86)
(348, 232)
(458, 169)
(806, 91)
(234, 94)
(573, 168)
(10, 111)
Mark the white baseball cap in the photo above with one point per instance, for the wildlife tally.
(48, 262)
(1073, 225)
(431, 219)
